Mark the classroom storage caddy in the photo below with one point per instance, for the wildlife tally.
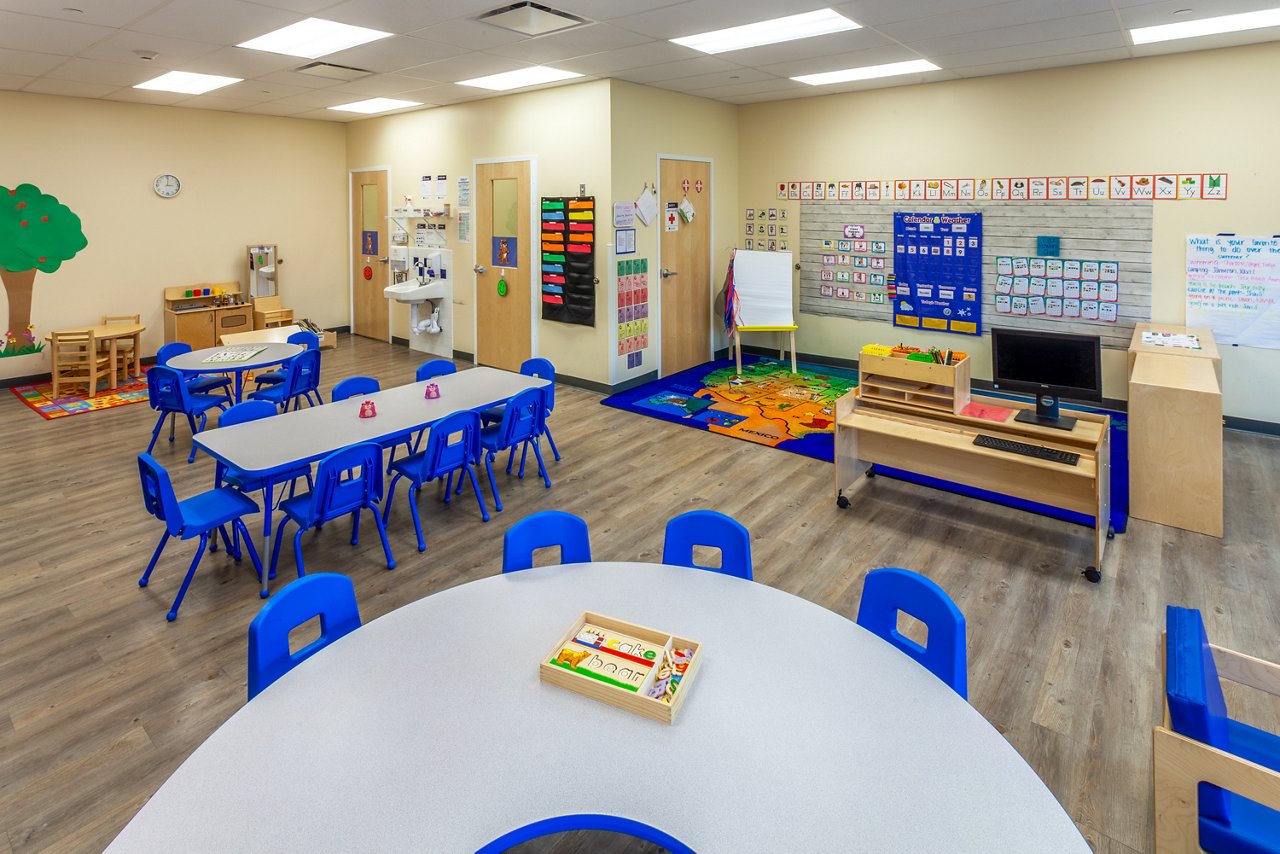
(632, 667)
(897, 379)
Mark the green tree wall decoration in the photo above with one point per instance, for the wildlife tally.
(37, 233)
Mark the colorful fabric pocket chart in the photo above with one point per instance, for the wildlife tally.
(568, 260)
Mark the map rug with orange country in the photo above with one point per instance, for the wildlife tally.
(767, 405)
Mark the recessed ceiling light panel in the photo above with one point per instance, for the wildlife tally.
(520, 78)
(1206, 26)
(188, 83)
(868, 72)
(313, 37)
(376, 105)
(790, 28)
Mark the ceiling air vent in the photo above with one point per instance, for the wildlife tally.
(531, 19)
(332, 72)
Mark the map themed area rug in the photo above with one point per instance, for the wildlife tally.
(767, 405)
(39, 398)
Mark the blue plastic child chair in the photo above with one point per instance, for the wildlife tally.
(434, 368)
(520, 427)
(712, 529)
(453, 447)
(301, 382)
(326, 595)
(347, 481)
(303, 338)
(542, 530)
(203, 516)
(887, 591)
(196, 383)
(169, 395)
(542, 369)
(353, 386)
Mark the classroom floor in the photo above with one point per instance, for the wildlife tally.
(101, 699)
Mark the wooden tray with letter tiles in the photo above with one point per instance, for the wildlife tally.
(632, 667)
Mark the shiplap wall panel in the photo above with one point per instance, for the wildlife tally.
(1090, 231)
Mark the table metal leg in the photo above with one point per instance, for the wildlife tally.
(268, 488)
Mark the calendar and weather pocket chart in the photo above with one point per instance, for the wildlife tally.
(938, 270)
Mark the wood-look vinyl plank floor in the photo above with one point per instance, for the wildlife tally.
(101, 698)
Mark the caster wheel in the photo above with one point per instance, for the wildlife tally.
(871, 472)
(1092, 575)
(842, 503)
(1111, 532)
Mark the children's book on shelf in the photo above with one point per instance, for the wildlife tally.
(626, 665)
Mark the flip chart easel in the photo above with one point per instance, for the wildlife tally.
(762, 299)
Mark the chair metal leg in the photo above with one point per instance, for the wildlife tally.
(382, 533)
(391, 494)
(233, 550)
(511, 456)
(275, 551)
(355, 527)
(493, 483)
(554, 450)
(475, 487)
(155, 433)
(542, 468)
(191, 458)
(173, 420)
(297, 551)
(238, 527)
(155, 556)
(417, 522)
(524, 452)
(186, 582)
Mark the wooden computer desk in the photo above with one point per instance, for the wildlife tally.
(937, 443)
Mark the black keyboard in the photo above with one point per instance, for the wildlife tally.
(1038, 451)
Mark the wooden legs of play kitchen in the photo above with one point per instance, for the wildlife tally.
(737, 344)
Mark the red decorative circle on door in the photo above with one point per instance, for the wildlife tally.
(368, 273)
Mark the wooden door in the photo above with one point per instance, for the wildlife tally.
(504, 307)
(687, 288)
(369, 255)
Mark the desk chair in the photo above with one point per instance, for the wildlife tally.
(453, 446)
(521, 425)
(326, 595)
(124, 347)
(708, 528)
(887, 591)
(301, 382)
(434, 368)
(542, 369)
(303, 338)
(76, 360)
(347, 481)
(542, 530)
(197, 383)
(353, 386)
(1217, 780)
(168, 394)
(203, 515)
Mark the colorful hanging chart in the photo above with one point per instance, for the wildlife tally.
(568, 260)
(938, 264)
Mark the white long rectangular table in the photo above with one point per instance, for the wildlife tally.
(271, 446)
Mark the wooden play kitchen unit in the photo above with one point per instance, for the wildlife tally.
(912, 415)
(200, 314)
(1175, 428)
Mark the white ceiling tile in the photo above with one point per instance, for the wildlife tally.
(272, 108)
(592, 38)
(1043, 62)
(328, 116)
(214, 101)
(147, 96)
(378, 86)
(173, 52)
(653, 53)
(394, 16)
(594, 10)
(698, 82)
(46, 35)
(779, 88)
(1041, 52)
(1152, 14)
(257, 91)
(873, 13)
(14, 81)
(107, 13)
(220, 22)
(447, 93)
(314, 99)
(306, 7)
(838, 62)
(393, 54)
(676, 70)
(465, 67)
(94, 71)
(293, 78)
(996, 17)
(468, 34)
(238, 62)
(27, 63)
(72, 88)
(1045, 31)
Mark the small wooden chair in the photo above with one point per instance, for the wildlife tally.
(268, 312)
(76, 359)
(125, 351)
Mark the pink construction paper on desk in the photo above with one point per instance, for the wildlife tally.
(999, 414)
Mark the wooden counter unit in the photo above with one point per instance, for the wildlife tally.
(1208, 347)
(198, 320)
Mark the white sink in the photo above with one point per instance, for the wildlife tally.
(414, 291)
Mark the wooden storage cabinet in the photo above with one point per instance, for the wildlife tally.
(198, 320)
(896, 379)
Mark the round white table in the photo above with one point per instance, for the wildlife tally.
(271, 354)
(428, 729)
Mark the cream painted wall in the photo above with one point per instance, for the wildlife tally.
(1211, 111)
(246, 179)
(566, 130)
(649, 122)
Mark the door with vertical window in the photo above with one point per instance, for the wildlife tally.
(504, 254)
(370, 311)
(685, 271)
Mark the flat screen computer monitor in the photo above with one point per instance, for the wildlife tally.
(1049, 365)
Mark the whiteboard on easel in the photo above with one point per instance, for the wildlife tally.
(762, 281)
(1233, 287)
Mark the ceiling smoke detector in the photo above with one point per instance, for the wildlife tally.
(329, 71)
(531, 19)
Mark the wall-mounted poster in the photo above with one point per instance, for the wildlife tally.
(938, 257)
(568, 259)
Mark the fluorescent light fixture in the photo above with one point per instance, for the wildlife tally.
(1206, 26)
(520, 78)
(188, 83)
(375, 105)
(313, 37)
(869, 72)
(818, 23)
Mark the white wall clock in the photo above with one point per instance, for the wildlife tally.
(167, 186)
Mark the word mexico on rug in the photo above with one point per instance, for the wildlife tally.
(767, 405)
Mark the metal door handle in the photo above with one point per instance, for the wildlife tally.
(666, 274)
(383, 260)
(477, 269)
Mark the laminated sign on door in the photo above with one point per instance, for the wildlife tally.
(672, 221)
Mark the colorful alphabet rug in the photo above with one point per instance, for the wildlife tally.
(767, 405)
(39, 397)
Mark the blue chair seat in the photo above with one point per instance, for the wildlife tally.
(207, 383)
(213, 508)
